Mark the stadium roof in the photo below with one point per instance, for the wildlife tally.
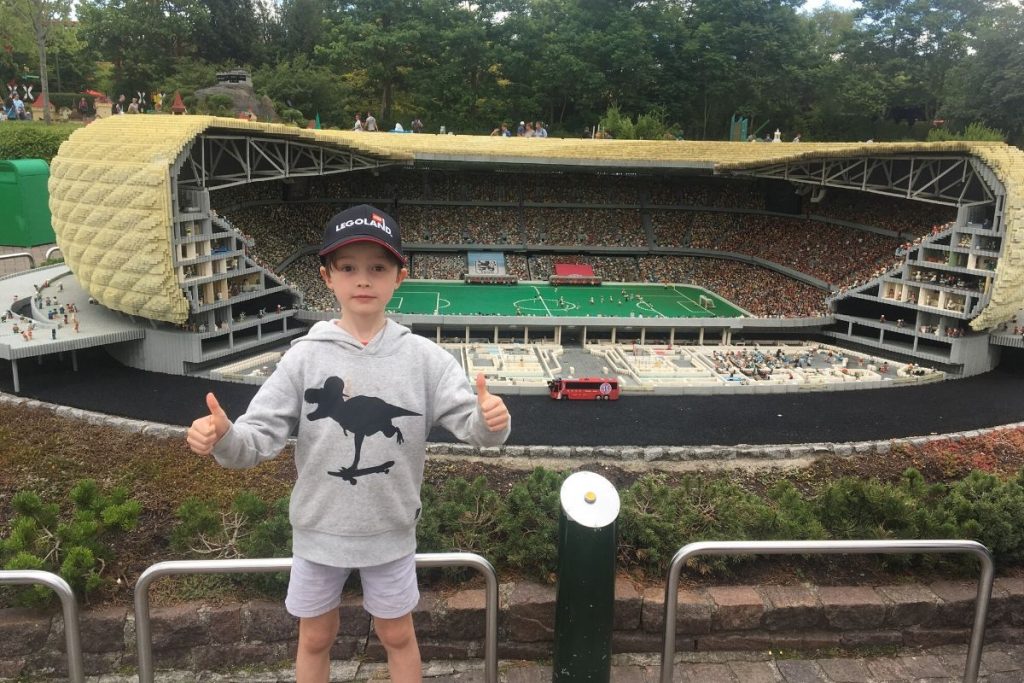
(111, 183)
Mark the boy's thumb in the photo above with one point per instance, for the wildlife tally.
(481, 386)
(214, 406)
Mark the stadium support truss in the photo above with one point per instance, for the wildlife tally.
(235, 303)
(927, 305)
(219, 160)
(951, 180)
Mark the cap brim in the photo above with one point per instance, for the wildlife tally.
(363, 238)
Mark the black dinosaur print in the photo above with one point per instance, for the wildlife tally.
(361, 415)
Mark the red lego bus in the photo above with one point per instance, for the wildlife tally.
(584, 389)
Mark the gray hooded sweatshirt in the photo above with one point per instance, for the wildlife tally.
(363, 415)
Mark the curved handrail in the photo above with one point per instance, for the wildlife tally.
(21, 254)
(72, 638)
(143, 631)
(896, 547)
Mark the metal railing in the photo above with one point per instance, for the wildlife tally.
(927, 547)
(143, 631)
(20, 254)
(72, 639)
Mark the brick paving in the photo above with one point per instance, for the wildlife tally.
(1001, 663)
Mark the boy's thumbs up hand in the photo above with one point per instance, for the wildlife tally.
(206, 431)
(491, 407)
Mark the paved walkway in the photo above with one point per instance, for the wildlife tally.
(1000, 663)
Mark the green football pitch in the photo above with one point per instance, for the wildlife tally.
(608, 300)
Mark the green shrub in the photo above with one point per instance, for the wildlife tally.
(529, 527)
(250, 527)
(294, 117)
(215, 105)
(791, 517)
(618, 125)
(462, 517)
(990, 511)
(974, 132)
(859, 509)
(77, 545)
(657, 520)
(649, 126)
(33, 140)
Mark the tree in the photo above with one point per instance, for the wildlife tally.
(847, 94)
(309, 88)
(143, 39)
(41, 16)
(230, 31)
(382, 43)
(915, 43)
(303, 24)
(988, 86)
(742, 56)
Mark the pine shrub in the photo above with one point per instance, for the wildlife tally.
(528, 529)
(250, 527)
(867, 509)
(991, 511)
(791, 517)
(77, 545)
(657, 520)
(460, 517)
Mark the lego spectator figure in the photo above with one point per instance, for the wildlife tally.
(363, 393)
(358, 125)
(417, 125)
(133, 108)
(118, 106)
(371, 123)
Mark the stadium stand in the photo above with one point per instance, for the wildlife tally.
(842, 255)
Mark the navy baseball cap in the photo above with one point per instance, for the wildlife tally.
(363, 223)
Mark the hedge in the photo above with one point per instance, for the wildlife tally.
(33, 139)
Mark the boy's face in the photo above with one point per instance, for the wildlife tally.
(363, 276)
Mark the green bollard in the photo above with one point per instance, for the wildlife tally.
(586, 579)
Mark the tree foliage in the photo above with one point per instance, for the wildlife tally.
(885, 70)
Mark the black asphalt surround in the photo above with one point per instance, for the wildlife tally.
(988, 400)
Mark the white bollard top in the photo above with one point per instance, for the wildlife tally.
(589, 499)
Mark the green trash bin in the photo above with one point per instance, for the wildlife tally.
(25, 199)
(584, 606)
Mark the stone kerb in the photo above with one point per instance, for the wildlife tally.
(450, 624)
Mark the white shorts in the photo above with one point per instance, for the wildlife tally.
(389, 590)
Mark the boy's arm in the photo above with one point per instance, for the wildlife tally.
(263, 430)
(462, 412)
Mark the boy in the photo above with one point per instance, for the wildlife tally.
(364, 392)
